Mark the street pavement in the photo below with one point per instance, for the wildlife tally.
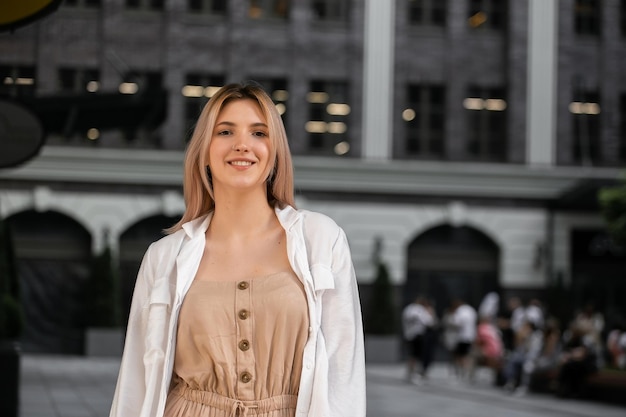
(76, 386)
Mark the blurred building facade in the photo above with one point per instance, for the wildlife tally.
(468, 136)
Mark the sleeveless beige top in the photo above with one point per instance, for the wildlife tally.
(239, 348)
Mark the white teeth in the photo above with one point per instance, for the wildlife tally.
(241, 163)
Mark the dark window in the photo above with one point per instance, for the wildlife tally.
(486, 117)
(141, 82)
(622, 17)
(207, 6)
(268, 9)
(79, 80)
(276, 88)
(331, 10)
(427, 12)
(585, 110)
(82, 3)
(198, 89)
(329, 114)
(425, 121)
(17, 81)
(488, 14)
(622, 129)
(153, 5)
(587, 17)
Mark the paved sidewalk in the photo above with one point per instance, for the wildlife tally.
(68, 386)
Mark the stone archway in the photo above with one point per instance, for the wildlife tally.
(133, 244)
(53, 252)
(447, 261)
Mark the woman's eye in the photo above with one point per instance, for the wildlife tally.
(223, 132)
(260, 134)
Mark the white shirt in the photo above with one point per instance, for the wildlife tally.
(333, 371)
(415, 319)
(465, 321)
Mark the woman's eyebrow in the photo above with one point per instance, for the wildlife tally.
(227, 123)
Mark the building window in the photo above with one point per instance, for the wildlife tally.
(587, 17)
(198, 89)
(276, 88)
(83, 4)
(486, 116)
(488, 14)
(425, 121)
(150, 5)
(207, 6)
(73, 80)
(135, 82)
(585, 110)
(622, 17)
(268, 9)
(329, 112)
(621, 141)
(427, 12)
(331, 10)
(17, 81)
(622, 129)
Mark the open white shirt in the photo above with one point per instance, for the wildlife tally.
(333, 371)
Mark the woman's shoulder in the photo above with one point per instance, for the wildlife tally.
(167, 242)
(319, 221)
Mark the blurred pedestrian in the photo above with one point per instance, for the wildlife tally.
(417, 318)
(578, 360)
(488, 349)
(616, 345)
(464, 321)
(528, 342)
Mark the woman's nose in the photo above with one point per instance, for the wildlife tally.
(239, 146)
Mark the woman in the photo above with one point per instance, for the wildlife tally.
(248, 307)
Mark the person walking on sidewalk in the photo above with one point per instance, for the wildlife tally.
(248, 307)
(417, 318)
(464, 321)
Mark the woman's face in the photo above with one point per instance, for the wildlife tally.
(239, 152)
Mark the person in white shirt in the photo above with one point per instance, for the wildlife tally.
(464, 320)
(417, 318)
(248, 306)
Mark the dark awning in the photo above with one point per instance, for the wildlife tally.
(67, 114)
(583, 196)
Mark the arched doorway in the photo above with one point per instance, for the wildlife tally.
(446, 262)
(133, 244)
(53, 253)
(598, 265)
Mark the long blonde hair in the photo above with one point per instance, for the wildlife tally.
(197, 185)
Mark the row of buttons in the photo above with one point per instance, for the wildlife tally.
(244, 344)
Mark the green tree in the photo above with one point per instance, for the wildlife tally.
(381, 318)
(102, 301)
(613, 208)
(11, 317)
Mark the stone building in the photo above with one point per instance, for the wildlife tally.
(468, 136)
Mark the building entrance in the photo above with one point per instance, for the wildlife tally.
(53, 255)
(446, 262)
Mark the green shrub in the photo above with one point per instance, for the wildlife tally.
(613, 207)
(381, 318)
(102, 301)
(11, 316)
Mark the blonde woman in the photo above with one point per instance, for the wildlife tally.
(248, 307)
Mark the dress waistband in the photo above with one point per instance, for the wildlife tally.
(237, 408)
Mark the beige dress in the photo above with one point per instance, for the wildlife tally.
(239, 348)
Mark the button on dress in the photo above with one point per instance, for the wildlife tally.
(239, 348)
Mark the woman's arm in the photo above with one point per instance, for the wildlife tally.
(342, 328)
(130, 389)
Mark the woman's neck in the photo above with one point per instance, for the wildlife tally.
(240, 217)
